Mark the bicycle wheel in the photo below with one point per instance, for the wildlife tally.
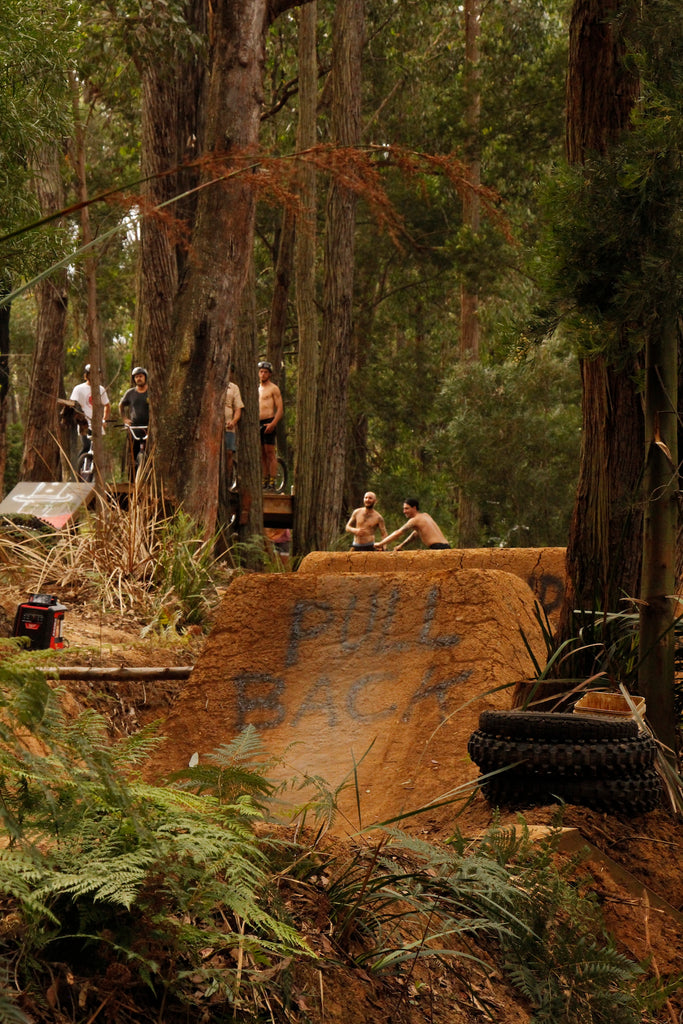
(140, 460)
(85, 467)
(281, 476)
(231, 475)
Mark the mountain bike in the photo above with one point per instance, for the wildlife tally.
(280, 478)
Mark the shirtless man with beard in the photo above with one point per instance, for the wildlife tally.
(364, 523)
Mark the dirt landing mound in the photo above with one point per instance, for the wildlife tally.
(391, 670)
(543, 569)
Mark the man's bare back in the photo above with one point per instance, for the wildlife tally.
(427, 530)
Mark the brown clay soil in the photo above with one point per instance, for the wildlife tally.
(639, 880)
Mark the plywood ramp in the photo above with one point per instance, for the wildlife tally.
(387, 671)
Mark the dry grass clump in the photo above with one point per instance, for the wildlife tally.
(140, 558)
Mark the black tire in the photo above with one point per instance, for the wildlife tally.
(562, 727)
(85, 467)
(622, 756)
(140, 460)
(635, 794)
(231, 476)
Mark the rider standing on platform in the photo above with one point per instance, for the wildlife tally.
(134, 409)
(271, 410)
(82, 394)
(232, 411)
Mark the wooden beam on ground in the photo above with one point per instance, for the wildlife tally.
(122, 672)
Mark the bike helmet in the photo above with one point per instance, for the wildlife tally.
(264, 365)
(138, 369)
(86, 368)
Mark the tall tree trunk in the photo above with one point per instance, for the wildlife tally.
(329, 448)
(603, 556)
(43, 442)
(92, 326)
(172, 124)
(249, 455)
(468, 511)
(195, 355)
(4, 385)
(304, 263)
(277, 329)
(657, 611)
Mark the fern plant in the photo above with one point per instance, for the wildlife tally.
(110, 873)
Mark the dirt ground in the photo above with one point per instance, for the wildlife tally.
(636, 864)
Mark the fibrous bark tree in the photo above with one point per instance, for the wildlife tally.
(190, 300)
(318, 505)
(304, 268)
(42, 436)
(604, 546)
(609, 542)
(468, 513)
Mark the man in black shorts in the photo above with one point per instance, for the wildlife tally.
(271, 410)
(364, 523)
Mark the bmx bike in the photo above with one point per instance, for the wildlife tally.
(140, 434)
(232, 476)
(85, 466)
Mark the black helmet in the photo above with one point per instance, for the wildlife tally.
(264, 365)
(138, 369)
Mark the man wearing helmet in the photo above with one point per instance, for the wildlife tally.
(134, 409)
(82, 394)
(271, 410)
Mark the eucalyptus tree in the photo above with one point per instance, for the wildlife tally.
(81, 101)
(201, 123)
(34, 46)
(617, 243)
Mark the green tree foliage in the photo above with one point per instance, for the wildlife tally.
(34, 42)
(414, 95)
(512, 430)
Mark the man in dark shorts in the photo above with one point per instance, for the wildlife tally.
(271, 410)
(364, 523)
(421, 525)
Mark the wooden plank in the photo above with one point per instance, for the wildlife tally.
(121, 672)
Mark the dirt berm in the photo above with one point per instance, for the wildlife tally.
(544, 569)
(384, 671)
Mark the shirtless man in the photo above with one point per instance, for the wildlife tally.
(364, 523)
(421, 524)
(270, 412)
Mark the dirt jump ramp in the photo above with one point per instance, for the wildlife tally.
(543, 569)
(386, 672)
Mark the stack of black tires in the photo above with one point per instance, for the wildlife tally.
(542, 758)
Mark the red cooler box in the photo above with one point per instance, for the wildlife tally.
(40, 619)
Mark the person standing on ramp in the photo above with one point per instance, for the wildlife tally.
(364, 524)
